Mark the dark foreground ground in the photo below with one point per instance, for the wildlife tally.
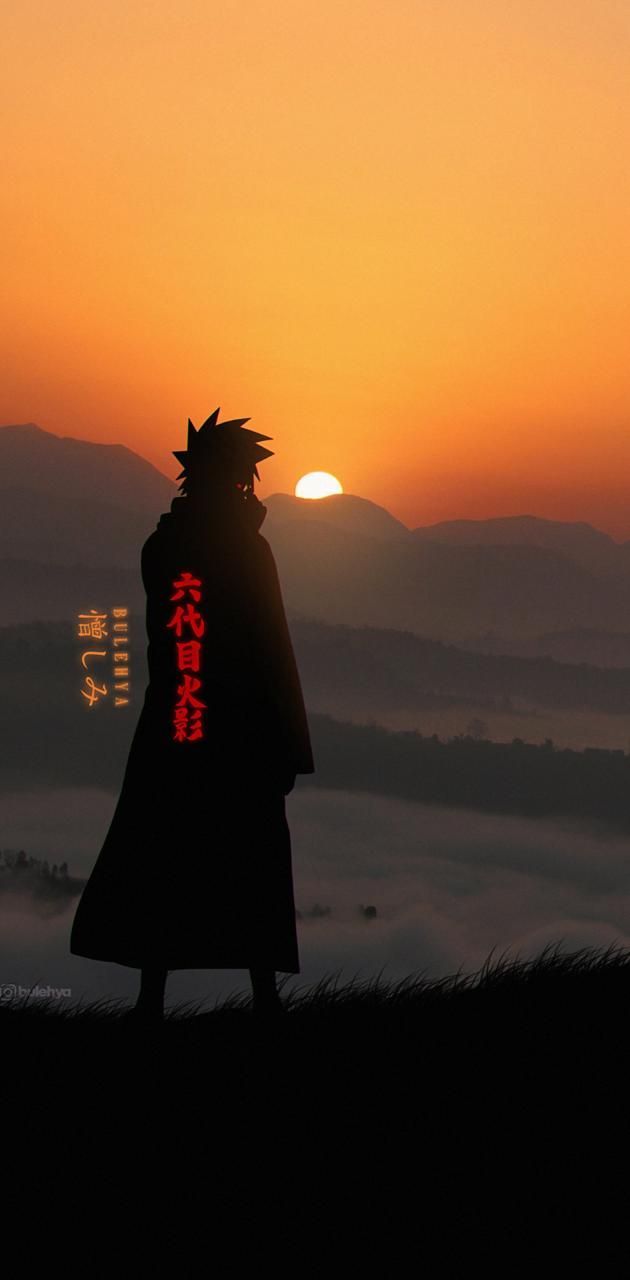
(433, 1125)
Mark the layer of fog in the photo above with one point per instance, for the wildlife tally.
(448, 887)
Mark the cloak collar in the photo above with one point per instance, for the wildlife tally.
(247, 514)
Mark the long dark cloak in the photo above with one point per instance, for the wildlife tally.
(196, 868)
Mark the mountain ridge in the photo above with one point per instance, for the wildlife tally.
(342, 558)
(455, 530)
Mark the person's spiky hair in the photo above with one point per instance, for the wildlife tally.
(221, 450)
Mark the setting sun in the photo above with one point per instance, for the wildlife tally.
(317, 484)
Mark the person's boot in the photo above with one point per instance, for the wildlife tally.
(266, 1002)
(149, 1007)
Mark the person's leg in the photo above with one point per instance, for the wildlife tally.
(264, 988)
(152, 988)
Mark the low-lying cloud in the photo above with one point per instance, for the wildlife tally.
(448, 887)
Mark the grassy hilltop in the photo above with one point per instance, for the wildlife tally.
(487, 1108)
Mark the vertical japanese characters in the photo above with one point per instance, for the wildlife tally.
(189, 627)
(92, 624)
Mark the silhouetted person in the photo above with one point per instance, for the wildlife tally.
(195, 871)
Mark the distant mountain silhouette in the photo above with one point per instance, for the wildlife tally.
(580, 542)
(68, 501)
(441, 591)
(74, 515)
(455, 594)
(345, 511)
(109, 472)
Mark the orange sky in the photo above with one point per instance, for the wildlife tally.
(395, 233)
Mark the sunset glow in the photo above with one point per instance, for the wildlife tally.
(317, 484)
(396, 235)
